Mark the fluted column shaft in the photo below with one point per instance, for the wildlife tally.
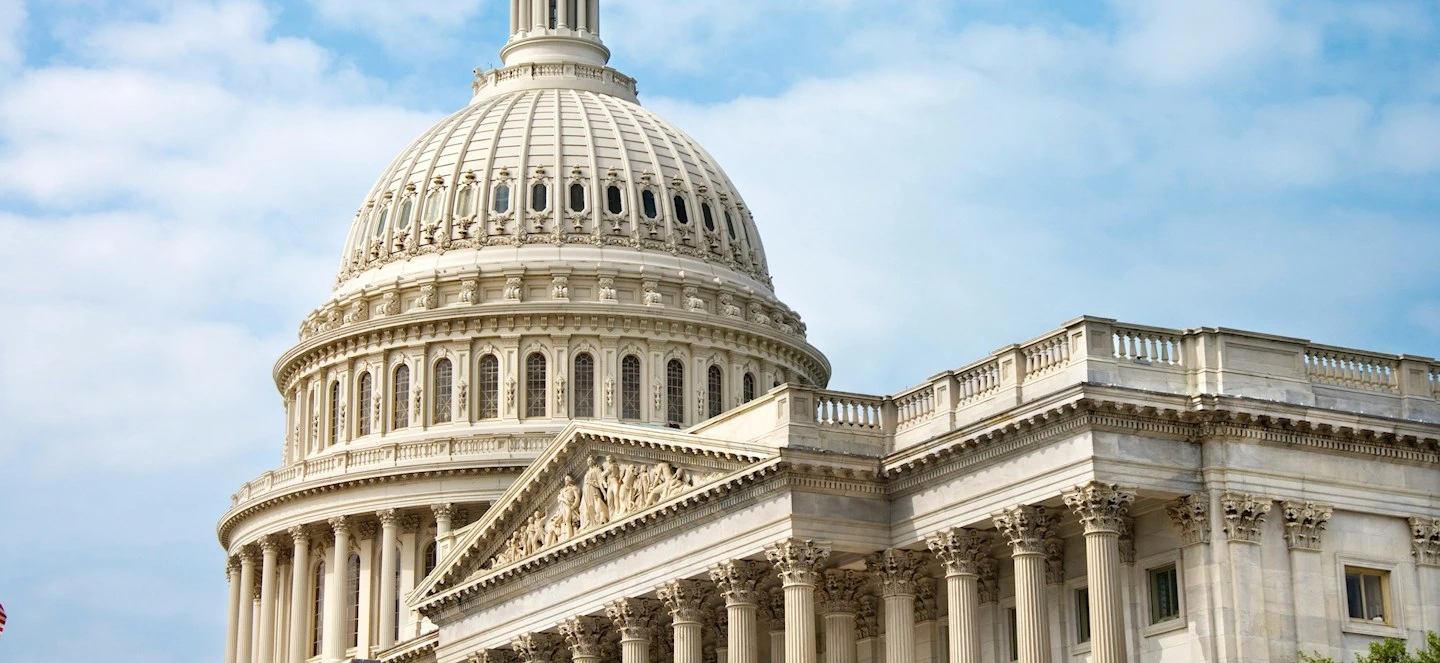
(244, 634)
(738, 581)
(270, 558)
(232, 618)
(1026, 528)
(299, 594)
(389, 520)
(777, 646)
(799, 564)
(634, 649)
(898, 571)
(963, 590)
(840, 637)
(741, 643)
(632, 617)
(689, 641)
(1101, 508)
(334, 630)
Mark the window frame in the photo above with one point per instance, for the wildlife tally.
(1392, 593)
(354, 568)
(364, 394)
(495, 197)
(540, 190)
(442, 395)
(584, 198)
(400, 398)
(1141, 578)
(488, 391)
(649, 202)
(337, 397)
(1070, 616)
(619, 199)
(675, 393)
(1153, 601)
(1010, 627)
(582, 386)
(714, 391)
(532, 385)
(749, 387)
(626, 392)
(317, 608)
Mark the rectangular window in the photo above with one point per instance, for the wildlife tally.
(1367, 594)
(1164, 594)
(1082, 615)
(1014, 634)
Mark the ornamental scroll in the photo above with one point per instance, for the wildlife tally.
(608, 491)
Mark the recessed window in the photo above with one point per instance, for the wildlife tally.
(444, 389)
(1367, 594)
(334, 413)
(714, 385)
(535, 383)
(352, 609)
(406, 209)
(1082, 615)
(675, 393)
(730, 226)
(540, 197)
(614, 200)
(630, 388)
(362, 406)
(463, 203)
(649, 205)
(383, 222)
(432, 557)
(682, 213)
(1164, 594)
(400, 398)
(432, 207)
(317, 616)
(584, 385)
(502, 199)
(708, 216)
(1013, 621)
(489, 387)
(748, 389)
(577, 197)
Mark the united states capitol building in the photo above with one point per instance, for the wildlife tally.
(554, 411)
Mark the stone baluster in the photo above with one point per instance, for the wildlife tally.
(1101, 508)
(633, 617)
(738, 581)
(898, 571)
(960, 552)
(232, 618)
(270, 558)
(334, 634)
(583, 634)
(299, 593)
(389, 562)
(244, 631)
(798, 563)
(1026, 528)
(839, 605)
(1305, 522)
(1244, 522)
(685, 599)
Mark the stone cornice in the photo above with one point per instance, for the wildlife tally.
(412, 650)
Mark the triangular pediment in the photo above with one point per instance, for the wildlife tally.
(593, 478)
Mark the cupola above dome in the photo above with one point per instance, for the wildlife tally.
(555, 31)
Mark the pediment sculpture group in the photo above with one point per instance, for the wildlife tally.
(608, 491)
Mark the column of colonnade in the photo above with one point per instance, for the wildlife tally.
(271, 601)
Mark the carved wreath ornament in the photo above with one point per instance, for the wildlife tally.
(607, 491)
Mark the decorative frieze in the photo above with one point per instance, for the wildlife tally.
(1425, 539)
(897, 570)
(1304, 523)
(1025, 528)
(959, 550)
(1100, 506)
(798, 562)
(583, 634)
(1191, 514)
(633, 617)
(684, 599)
(1244, 516)
(840, 591)
(738, 580)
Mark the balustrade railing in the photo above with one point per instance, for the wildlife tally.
(978, 383)
(1045, 356)
(1148, 346)
(914, 407)
(853, 411)
(1435, 382)
(1350, 369)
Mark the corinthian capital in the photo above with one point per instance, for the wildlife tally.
(583, 634)
(1244, 516)
(897, 570)
(685, 599)
(1304, 522)
(491, 656)
(388, 517)
(632, 617)
(1100, 506)
(959, 549)
(341, 524)
(1025, 528)
(534, 647)
(840, 591)
(1191, 514)
(737, 580)
(299, 533)
(1425, 538)
(798, 562)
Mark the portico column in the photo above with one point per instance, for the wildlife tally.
(299, 592)
(1243, 525)
(334, 629)
(270, 556)
(232, 618)
(244, 633)
(684, 599)
(773, 607)
(1026, 528)
(1101, 507)
(960, 551)
(583, 635)
(737, 580)
(839, 603)
(897, 570)
(798, 562)
(1425, 548)
(1305, 522)
(389, 520)
(632, 617)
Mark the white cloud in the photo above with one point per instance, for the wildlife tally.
(12, 34)
(417, 28)
(1199, 41)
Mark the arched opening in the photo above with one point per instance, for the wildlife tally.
(708, 216)
(584, 381)
(630, 388)
(577, 197)
(614, 200)
(502, 198)
(748, 387)
(540, 197)
(535, 384)
(489, 387)
(675, 393)
(335, 413)
(364, 424)
(443, 391)
(714, 389)
(682, 212)
(352, 608)
(317, 614)
(432, 558)
(400, 398)
(648, 204)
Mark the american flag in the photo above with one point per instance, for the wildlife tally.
(2, 619)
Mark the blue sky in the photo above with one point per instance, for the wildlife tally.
(933, 178)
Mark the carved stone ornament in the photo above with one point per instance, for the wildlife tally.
(1054, 560)
(510, 394)
(359, 311)
(606, 292)
(840, 591)
(633, 617)
(798, 561)
(652, 296)
(1025, 528)
(513, 290)
(959, 550)
(684, 599)
(340, 524)
(693, 302)
(389, 304)
(927, 607)
(534, 647)
(867, 621)
(1425, 540)
(728, 307)
(491, 656)
(897, 570)
(429, 297)
(609, 393)
(737, 580)
(772, 607)
(1304, 523)
(1244, 516)
(469, 292)
(560, 287)
(1127, 540)
(299, 533)
(1191, 514)
(989, 583)
(1100, 506)
(583, 634)
(410, 524)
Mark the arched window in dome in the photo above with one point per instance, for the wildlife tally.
(675, 393)
(407, 208)
(400, 398)
(489, 387)
(432, 558)
(432, 207)
(730, 226)
(577, 197)
(335, 413)
(362, 405)
(648, 204)
(352, 607)
(535, 385)
(682, 212)
(540, 197)
(630, 388)
(584, 381)
(383, 221)
(714, 392)
(709, 217)
(748, 387)
(614, 200)
(464, 201)
(317, 614)
(502, 198)
(443, 390)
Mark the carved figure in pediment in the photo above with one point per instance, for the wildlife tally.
(555, 530)
(535, 532)
(593, 510)
(625, 493)
(668, 482)
(569, 500)
(611, 474)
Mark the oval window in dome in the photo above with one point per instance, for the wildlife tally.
(577, 197)
(729, 225)
(647, 201)
(708, 216)
(405, 211)
(462, 203)
(432, 207)
(540, 197)
(383, 222)
(502, 199)
(682, 214)
(613, 200)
